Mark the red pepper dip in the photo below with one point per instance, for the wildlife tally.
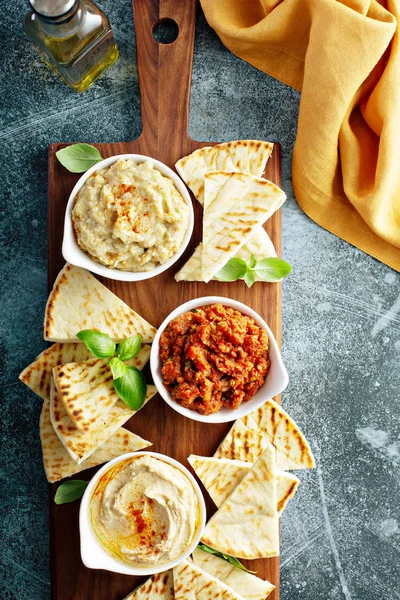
(213, 357)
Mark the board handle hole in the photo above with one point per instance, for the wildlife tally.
(165, 31)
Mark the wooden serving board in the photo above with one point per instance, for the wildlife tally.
(165, 80)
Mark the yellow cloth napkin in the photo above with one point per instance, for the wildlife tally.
(344, 56)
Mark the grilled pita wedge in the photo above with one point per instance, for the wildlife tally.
(78, 301)
(192, 168)
(158, 587)
(248, 156)
(81, 445)
(192, 583)
(220, 476)
(56, 460)
(38, 375)
(191, 270)
(287, 485)
(247, 585)
(247, 523)
(234, 205)
(259, 245)
(250, 435)
(87, 389)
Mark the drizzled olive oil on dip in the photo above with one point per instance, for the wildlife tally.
(145, 511)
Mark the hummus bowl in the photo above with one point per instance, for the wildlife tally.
(96, 554)
(75, 255)
(276, 379)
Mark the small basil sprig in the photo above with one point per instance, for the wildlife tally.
(231, 559)
(118, 368)
(267, 269)
(99, 344)
(129, 383)
(129, 347)
(78, 158)
(70, 491)
(131, 387)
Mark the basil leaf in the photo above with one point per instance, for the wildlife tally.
(131, 388)
(70, 491)
(118, 368)
(99, 344)
(272, 269)
(206, 548)
(78, 158)
(231, 559)
(236, 563)
(249, 277)
(234, 269)
(252, 262)
(129, 348)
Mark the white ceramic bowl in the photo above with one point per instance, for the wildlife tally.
(73, 253)
(276, 381)
(93, 554)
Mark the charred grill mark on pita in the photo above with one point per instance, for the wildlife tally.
(42, 383)
(242, 230)
(246, 444)
(227, 248)
(273, 422)
(289, 493)
(258, 209)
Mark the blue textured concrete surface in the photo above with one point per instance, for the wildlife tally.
(340, 536)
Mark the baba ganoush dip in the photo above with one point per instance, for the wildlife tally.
(145, 511)
(129, 216)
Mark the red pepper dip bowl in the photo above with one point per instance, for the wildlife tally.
(215, 360)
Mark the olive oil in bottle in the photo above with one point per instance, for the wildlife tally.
(73, 37)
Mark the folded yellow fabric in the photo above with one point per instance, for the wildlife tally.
(344, 56)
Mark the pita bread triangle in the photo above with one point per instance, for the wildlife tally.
(192, 168)
(158, 587)
(248, 156)
(38, 375)
(79, 301)
(287, 485)
(56, 460)
(81, 445)
(250, 435)
(191, 270)
(259, 245)
(247, 523)
(87, 389)
(247, 585)
(220, 476)
(193, 583)
(234, 205)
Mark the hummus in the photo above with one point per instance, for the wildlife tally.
(129, 216)
(145, 511)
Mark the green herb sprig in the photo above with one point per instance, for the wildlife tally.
(78, 158)
(129, 383)
(231, 559)
(70, 490)
(266, 269)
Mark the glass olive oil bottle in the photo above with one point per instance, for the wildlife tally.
(73, 37)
